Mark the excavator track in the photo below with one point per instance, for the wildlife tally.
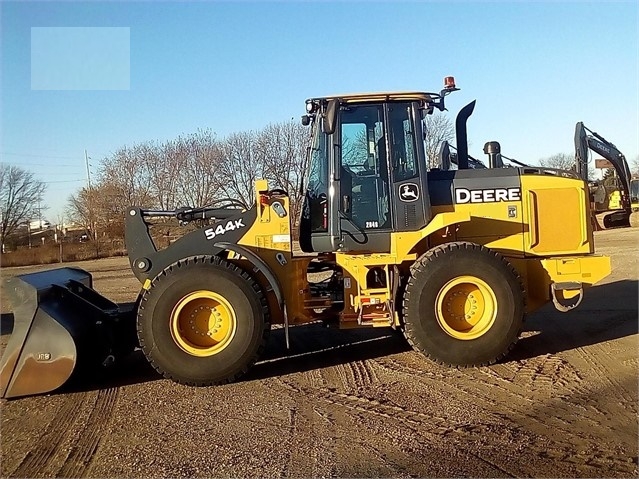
(611, 220)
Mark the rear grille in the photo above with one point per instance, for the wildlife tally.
(410, 216)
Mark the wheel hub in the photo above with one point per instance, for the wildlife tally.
(203, 323)
(466, 307)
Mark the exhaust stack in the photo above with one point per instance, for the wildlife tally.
(462, 137)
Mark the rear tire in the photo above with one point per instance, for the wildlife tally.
(203, 321)
(463, 305)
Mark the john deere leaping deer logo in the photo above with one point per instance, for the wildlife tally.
(408, 192)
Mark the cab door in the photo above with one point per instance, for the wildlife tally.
(409, 192)
(363, 206)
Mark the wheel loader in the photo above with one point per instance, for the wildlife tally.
(455, 258)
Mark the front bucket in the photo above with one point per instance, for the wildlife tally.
(60, 322)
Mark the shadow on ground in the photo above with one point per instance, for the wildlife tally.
(311, 347)
(607, 312)
(314, 346)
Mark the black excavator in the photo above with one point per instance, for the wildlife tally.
(616, 214)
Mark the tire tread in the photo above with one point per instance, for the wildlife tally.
(421, 264)
(214, 261)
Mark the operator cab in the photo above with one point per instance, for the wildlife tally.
(367, 171)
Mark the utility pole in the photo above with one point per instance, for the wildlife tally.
(90, 192)
(86, 160)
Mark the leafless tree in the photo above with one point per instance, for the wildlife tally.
(561, 161)
(20, 194)
(200, 181)
(564, 161)
(123, 180)
(355, 149)
(164, 164)
(192, 170)
(79, 208)
(240, 167)
(280, 148)
(437, 128)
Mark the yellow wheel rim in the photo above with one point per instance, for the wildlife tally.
(466, 307)
(203, 323)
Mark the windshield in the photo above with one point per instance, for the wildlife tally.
(634, 189)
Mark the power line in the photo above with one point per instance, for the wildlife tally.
(39, 164)
(40, 156)
(63, 188)
(62, 181)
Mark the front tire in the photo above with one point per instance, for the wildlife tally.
(203, 321)
(463, 305)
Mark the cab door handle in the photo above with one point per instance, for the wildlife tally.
(346, 204)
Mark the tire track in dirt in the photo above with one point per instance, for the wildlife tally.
(511, 381)
(82, 452)
(544, 377)
(307, 450)
(358, 375)
(541, 373)
(597, 362)
(564, 452)
(299, 422)
(36, 460)
(432, 427)
(350, 376)
(342, 435)
(429, 425)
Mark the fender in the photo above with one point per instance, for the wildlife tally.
(259, 264)
(268, 274)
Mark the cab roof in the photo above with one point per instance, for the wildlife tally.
(378, 96)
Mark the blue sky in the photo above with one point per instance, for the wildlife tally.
(534, 68)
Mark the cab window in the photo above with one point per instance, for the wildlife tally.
(364, 171)
(402, 138)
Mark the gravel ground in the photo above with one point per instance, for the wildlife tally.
(358, 403)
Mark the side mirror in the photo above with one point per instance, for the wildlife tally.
(330, 116)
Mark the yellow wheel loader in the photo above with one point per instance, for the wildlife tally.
(455, 258)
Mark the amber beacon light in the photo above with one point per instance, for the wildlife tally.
(449, 82)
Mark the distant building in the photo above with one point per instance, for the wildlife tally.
(37, 225)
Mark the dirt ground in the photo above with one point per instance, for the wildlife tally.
(359, 404)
